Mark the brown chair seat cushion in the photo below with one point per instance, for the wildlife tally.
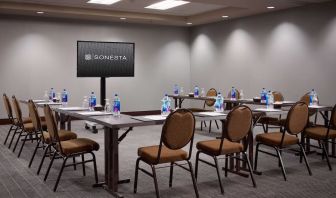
(149, 154)
(63, 135)
(29, 127)
(78, 145)
(274, 139)
(319, 132)
(212, 147)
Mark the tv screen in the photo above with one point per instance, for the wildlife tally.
(105, 59)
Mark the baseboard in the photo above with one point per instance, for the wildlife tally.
(130, 113)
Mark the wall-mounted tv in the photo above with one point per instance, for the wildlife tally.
(105, 59)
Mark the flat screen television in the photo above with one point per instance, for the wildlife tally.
(105, 59)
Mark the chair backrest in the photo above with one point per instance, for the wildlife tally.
(34, 115)
(17, 110)
(51, 125)
(278, 97)
(8, 107)
(297, 118)
(333, 117)
(178, 130)
(238, 123)
(211, 93)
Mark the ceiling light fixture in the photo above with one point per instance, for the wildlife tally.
(167, 4)
(122, 18)
(189, 23)
(39, 12)
(270, 7)
(225, 16)
(104, 2)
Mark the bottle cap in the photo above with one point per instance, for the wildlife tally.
(115, 94)
(92, 92)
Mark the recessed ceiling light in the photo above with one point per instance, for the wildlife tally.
(270, 7)
(39, 12)
(225, 16)
(122, 18)
(189, 23)
(167, 4)
(105, 2)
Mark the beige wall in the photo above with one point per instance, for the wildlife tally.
(38, 54)
(290, 51)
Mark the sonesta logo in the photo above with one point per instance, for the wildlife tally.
(105, 57)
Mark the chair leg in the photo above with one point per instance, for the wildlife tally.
(281, 163)
(42, 160)
(263, 126)
(266, 127)
(60, 173)
(95, 167)
(218, 175)
(202, 125)
(13, 136)
(155, 181)
(216, 124)
(17, 140)
(9, 131)
(326, 154)
(226, 166)
(136, 175)
(256, 158)
(34, 153)
(210, 126)
(171, 174)
(250, 169)
(305, 158)
(196, 164)
(49, 167)
(193, 178)
(74, 161)
(22, 145)
(83, 165)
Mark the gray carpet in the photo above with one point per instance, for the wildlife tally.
(17, 180)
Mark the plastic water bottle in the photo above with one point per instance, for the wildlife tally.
(219, 107)
(165, 108)
(311, 95)
(263, 94)
(116, 105)
(233, 93)
(93, 101)
(181, 91)
(52, 94)
(85, 103)
(202, 92)
(241, 94)
(196, 91)
(176, 90)
(269, 100)
(64, 97)
(315, 98)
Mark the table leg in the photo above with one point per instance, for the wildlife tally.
(62, 121)
(180, 103)
(176, 105)
(69, 123)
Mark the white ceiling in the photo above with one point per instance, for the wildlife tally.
(197, 12)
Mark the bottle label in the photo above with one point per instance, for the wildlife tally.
(196, 92)
(116, 107)
(65, 98)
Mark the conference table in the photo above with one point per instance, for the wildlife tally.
(113, 137)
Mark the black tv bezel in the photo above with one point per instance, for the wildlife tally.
(108, 76)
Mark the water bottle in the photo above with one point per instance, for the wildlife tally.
(219, 103)
(85, 103)
(176, 90)
(263, 95)
(64, 97)
(107, 107)
(233, 93)
(269, 100)
(52, 94)
(116, 105)
(92, 102)
(241, 94)
(181, 91)
(196, 91)
(311, 95)
(202, 92)
(164, 107)
(315, 98)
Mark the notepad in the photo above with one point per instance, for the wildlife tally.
(39, 101)
(267, 110)
(156, 117)
(49, 103)
(316, 106)
(74, 108)
(212, 114)
(95, 113)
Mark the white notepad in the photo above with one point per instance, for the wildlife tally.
(212, 113)
(73, 108)
(94, 113)
(49, 103)
(267, 110)
(155, 117)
